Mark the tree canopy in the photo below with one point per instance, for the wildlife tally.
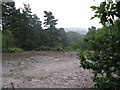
(23, 29)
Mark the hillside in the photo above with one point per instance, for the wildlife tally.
(78, 30)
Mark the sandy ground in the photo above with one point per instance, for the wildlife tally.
(44, 70)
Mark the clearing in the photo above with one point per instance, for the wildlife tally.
(44, 70)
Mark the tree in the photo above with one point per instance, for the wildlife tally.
(104, 59)
(89, 36)
(75, 40)
(32, 37)
(25, 27)
(8, 9)
(52, 33)
(38, 30)
(7, 39)
(74, 36)
(91, 30)
(63, 37)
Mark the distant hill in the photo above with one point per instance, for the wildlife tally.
(78, 30)
(74, 36)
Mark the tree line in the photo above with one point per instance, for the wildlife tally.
(21, 29)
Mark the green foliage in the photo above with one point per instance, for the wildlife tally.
(75, 41)
(103, 57)
(12, 50)
(72, 45)
(68, 48)
(89, 35)
(63, 37)
(74, 37)
(25, 28)
(7, 39)
(52, 33)
(107, 12)
(22, 29)
(15, 50)
(50, 20)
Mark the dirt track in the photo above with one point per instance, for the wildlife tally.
(44, 70)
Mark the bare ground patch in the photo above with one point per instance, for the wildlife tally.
(44, 70)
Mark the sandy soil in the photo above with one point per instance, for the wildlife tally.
(44, 70)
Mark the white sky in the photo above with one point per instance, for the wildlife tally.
(70, 13)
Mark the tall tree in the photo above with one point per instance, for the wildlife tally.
(8, 10)
(23, 25)
(52, 32)
(63, 37)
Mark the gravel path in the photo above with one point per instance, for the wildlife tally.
(44, 70)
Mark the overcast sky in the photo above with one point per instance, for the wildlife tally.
(70, 13)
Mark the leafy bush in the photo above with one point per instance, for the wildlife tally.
(103, 57)
(58, 49)
(12, 50)
(7, 39)
(68, 48)
(16, 50)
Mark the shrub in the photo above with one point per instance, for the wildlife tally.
(12, 50)
(104, 56)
